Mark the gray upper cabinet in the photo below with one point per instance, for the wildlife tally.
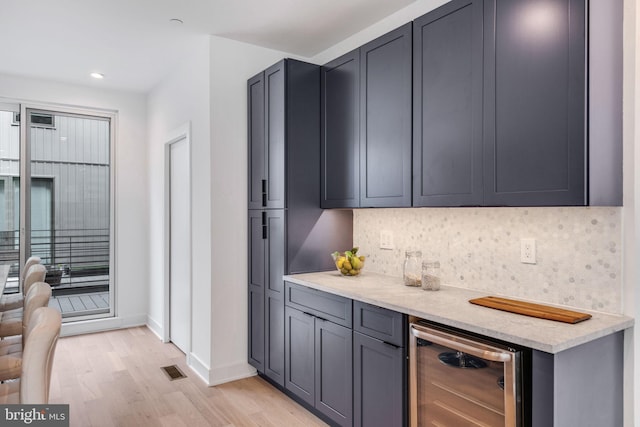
(534, 105)
(257, 176)
(366, 125)
(447, 105)
(385, 120)
(340, 152)
(266, 100)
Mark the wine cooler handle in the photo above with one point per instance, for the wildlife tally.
(458, 343)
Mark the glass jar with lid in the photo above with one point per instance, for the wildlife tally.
(431, 275)
(411, 271)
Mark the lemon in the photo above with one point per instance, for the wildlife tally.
(355, 263)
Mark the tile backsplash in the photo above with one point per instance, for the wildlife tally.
(578, 250)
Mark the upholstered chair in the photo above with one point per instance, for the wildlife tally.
(11, 348)
(36, 273)
(10, 302)
(33, 386)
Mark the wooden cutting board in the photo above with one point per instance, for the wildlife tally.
(530, 309)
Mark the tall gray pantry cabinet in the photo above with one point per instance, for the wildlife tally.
(288, 232)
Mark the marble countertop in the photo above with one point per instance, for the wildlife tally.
(450, 306)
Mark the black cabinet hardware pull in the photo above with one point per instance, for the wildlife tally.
(264, 225)
(264, 192)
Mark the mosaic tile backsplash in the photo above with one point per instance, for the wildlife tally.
(578, 250)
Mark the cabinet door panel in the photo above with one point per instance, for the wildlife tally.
(257, 247)
(256, 327)
(339, 159)
(274, 338)
(385, 120)
(300, 354)
(334, 370)
(275, 134)
(535, 99)
(255, 104)
(379, 388)
(276, 253)
(274, 297)
(448, 64)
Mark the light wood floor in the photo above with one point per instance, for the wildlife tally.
(114, 379)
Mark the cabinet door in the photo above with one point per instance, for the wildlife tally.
(257, 281)
(257, 179)
(274, 297)
(447, 121)
(534, 102)
(300, 354)
(385, 120)
(379, 396)
(274, 84)
(339, 158)
(334, 371)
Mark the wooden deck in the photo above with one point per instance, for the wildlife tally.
(81, 304)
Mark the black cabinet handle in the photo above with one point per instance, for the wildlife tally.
(264, 192)
(264, 225)
(391, 345)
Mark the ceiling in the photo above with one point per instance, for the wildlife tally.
(134, 44)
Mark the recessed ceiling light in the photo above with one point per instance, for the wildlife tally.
(97, 75)
(176, 21)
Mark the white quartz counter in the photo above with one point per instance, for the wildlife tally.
(450, 306)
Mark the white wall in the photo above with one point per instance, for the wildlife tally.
(131, 207)
(232, 63)
(183, 97)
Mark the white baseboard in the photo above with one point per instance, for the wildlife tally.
(199, 367)
(233, 372)
(99, 325)
(155, 327)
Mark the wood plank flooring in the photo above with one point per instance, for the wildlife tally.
(115, 379)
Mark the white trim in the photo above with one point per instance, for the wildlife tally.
(155, 327)
(104, 324)
(232, 372)
(180, 133)
(199, 367)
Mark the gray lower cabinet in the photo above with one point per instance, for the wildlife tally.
(379, 388)
(581, 386)
(300, 354)
(266, 292)
(319, 352)
(318, 356)
(379, 366)
(334, 371)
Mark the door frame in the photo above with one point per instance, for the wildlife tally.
(26, 107)
(178, 134)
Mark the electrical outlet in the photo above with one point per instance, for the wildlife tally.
(386, 239)
(528, 251)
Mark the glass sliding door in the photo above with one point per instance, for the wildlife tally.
(69, 192)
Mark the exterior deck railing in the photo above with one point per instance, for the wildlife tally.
(74, 258)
